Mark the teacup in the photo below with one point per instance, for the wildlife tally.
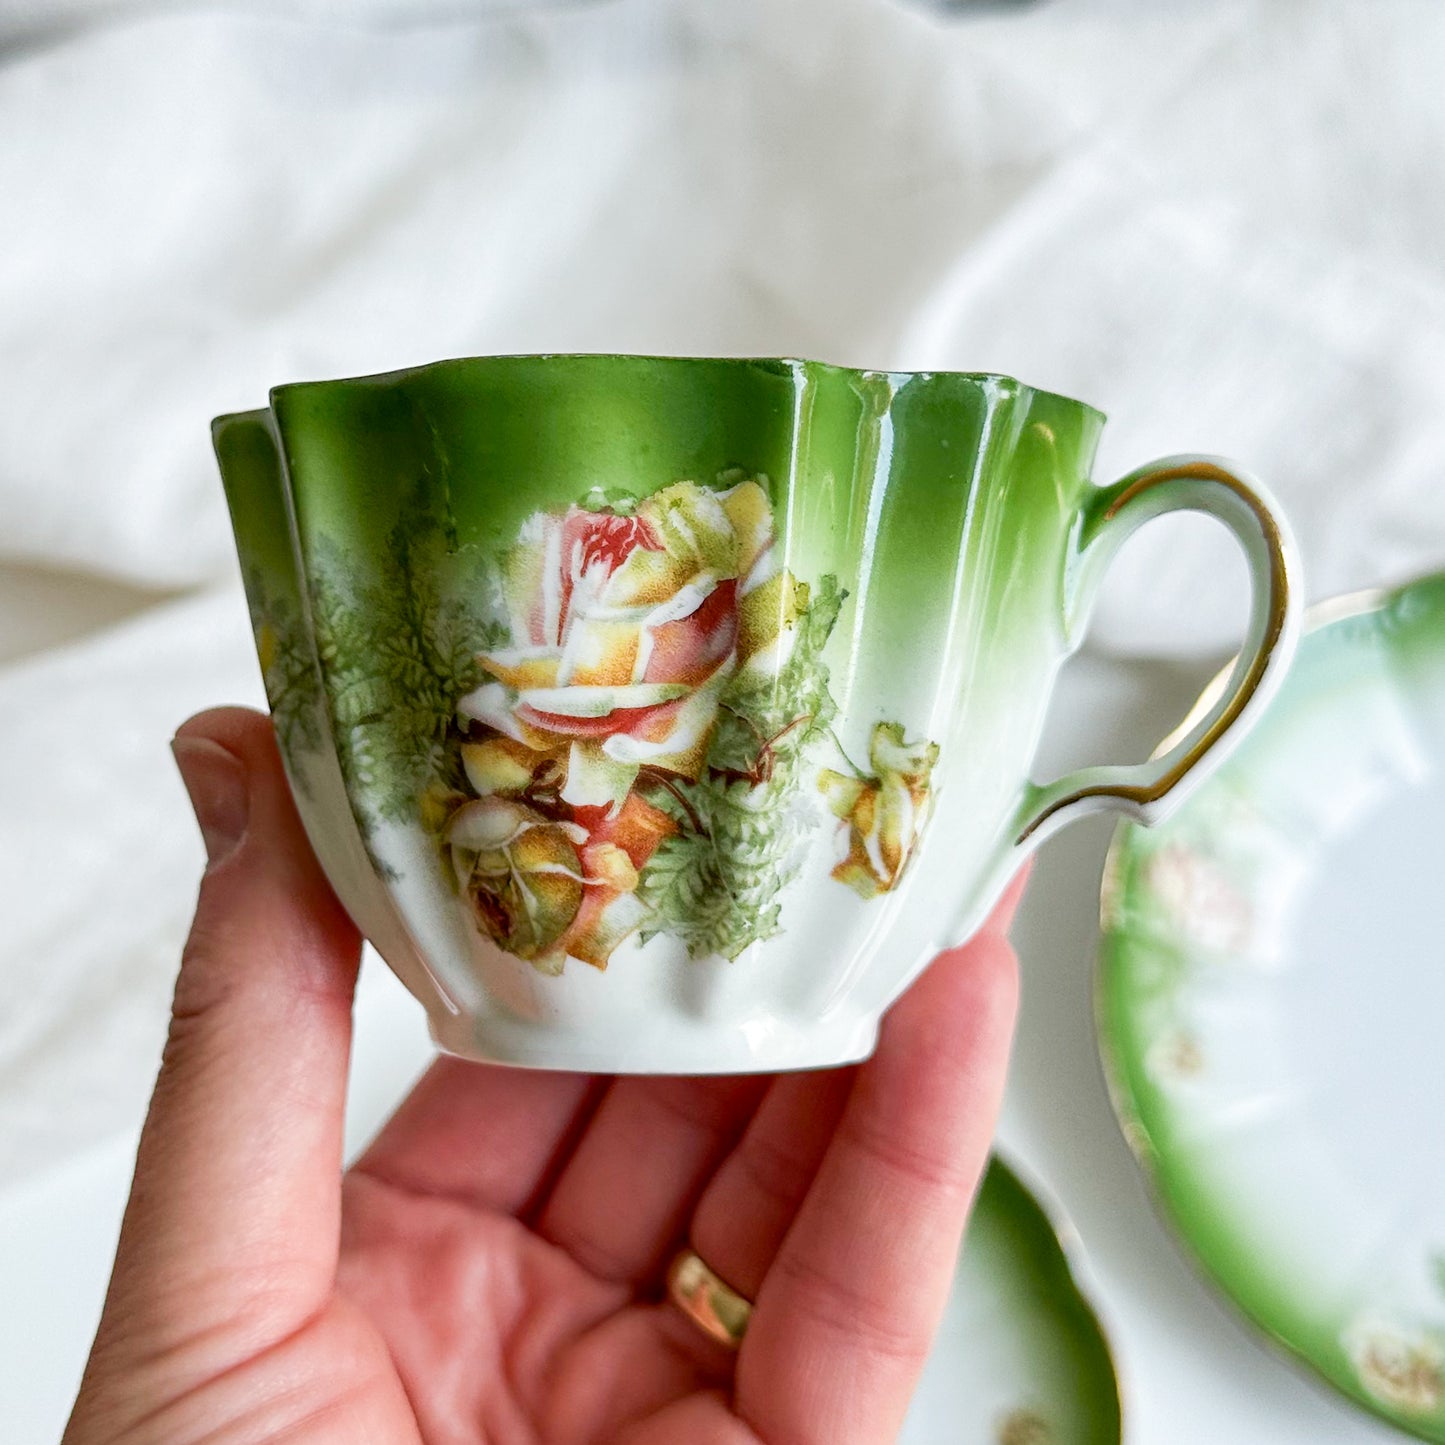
(668, 716)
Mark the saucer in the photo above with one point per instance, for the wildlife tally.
(1020, 1358)
(1270, 996)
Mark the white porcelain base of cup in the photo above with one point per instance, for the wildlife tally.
(761, 1045)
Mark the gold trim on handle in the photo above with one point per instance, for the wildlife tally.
(1144, 793)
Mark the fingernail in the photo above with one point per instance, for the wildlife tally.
(216, 782)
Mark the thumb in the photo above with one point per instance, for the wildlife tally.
(235, 1206)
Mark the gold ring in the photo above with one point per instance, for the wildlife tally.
(709, 1302)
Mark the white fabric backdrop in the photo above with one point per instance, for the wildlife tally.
(1222, 222)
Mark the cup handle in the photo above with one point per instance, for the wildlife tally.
(1149, 791)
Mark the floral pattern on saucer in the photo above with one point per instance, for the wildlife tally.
(1258, 1048)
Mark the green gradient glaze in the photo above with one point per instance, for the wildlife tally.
(946, 505)
(930, 496)
(1196, 915)
(953, 514)
(1021, 1356)
(246, 450)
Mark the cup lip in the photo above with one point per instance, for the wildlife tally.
(794, 364)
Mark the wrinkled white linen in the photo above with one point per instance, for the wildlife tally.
(1220, 222)
(100, 864)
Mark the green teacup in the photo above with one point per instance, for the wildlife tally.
(662, 715)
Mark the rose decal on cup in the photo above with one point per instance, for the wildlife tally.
(627, 629)
(547, 889)
(885, 811)
(636, 751)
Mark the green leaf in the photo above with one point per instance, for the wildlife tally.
(610, 499)
(398, 649)
(293, 686)
(719, 889)
(798, 694)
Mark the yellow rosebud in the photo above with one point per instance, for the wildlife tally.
(885, 813)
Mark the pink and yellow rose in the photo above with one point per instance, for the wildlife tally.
(625, 630)
(627, 627)
(546, 888)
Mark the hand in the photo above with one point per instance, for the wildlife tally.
(491, 1269)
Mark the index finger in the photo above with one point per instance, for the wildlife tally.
(846, 1315)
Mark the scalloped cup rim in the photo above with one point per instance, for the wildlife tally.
(785, 364)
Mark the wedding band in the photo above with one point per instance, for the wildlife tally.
(711, 1303)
